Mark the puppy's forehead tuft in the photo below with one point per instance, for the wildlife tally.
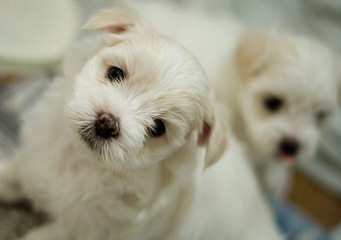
(303, 70)
(157, 60)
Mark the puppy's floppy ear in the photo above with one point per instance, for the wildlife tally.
(214, 134)
(113, 20)
(252, 53)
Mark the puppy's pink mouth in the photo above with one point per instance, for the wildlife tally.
(287, 159)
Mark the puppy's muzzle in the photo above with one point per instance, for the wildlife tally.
(106, 126)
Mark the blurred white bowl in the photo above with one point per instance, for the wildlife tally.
(36, 32)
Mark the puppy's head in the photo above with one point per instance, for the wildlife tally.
(141, 98)
(288, 91)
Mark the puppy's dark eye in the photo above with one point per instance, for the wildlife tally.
(273, 103)
(321, 116)
(158, 129)
(115, 74)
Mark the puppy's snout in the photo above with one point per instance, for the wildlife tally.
(107, 126)
(289, 146)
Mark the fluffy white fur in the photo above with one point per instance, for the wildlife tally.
(136, 186)
(246, 66)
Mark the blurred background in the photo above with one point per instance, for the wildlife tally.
(35, 34)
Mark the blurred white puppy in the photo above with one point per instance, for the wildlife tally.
(280, 88)
(119, 145)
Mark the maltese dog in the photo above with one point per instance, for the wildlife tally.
(281, 89)
(285, 88)
(118, 147)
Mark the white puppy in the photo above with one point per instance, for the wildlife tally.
(280, 88)
(119, 145)
(285, 88)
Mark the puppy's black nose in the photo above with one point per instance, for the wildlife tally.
(106, 126)
(289, 146)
